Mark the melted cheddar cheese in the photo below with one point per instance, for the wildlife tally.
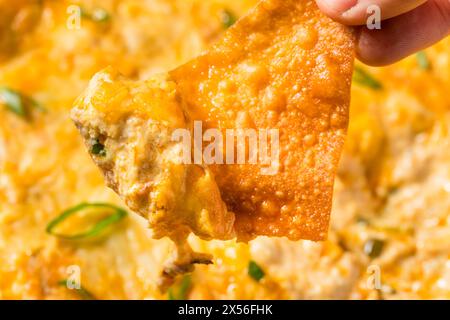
(393, 183)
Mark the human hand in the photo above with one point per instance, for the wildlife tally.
(407, 26)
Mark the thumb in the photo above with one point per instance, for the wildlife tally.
(355, 12)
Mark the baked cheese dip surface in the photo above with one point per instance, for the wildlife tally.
(273, 80)
(390, 222)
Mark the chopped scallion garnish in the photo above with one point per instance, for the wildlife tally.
(423, 61)
(364, 78)
(93, 229)
(82, 292)
(228, 19)
(13, 101)
(96, 15)
(17, 102)
(362, 220)
(255, 271)
(373, 248)
(100, 15)
(181, 290)
(98, 149)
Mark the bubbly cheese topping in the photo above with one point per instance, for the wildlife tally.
(392, 184)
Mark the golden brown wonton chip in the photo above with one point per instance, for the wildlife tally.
(284, 66)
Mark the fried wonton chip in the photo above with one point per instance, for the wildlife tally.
(288, 67)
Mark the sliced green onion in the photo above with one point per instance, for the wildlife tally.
(100, 15)
(84, 13)
(255, 271)
(362, 220)
(95, 229)
(97, 15)
(373, 248)
(98, 149)
(423, 61)
(228, 19)
(36, 104)
(82, 292)
(18, 102)
(385, 288)
(364, 78)
(180, 291)
(13, 101)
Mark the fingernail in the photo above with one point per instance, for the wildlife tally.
(352, 11)
(340, 6)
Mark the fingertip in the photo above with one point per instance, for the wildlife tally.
(374, 60)
(404, 35)
(357, 12)
(336, 8)
(372, 50)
